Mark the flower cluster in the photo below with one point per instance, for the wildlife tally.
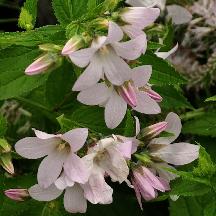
(141, 160)
(79, 168)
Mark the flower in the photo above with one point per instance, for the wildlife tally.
(17, 194)
(165, 55)
(74, 44)
(175, 153)
(76, 195)
(61, 150)
(137, 18)
(104, 58)
(146, 184)
(135, 93)
(42, 64)
(147, 3)
(105, 157)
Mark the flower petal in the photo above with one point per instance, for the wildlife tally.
(43, 135)
(132, 31)
(50, 168)
(63, 182)
(116, 69)
(82, 57)
(178, 153)
(125, 148)
(96, 190)
(92, 74)
(137, 125)
(141, 75)
(146, 105)
(137, 192)
(97, 94)
(115, 165)
(165, 55)
(115, 110)
(76, 138)
(131, 49)
(74, 200)
(33, 147)
(76, 169)
(114, 33)
(41, 194)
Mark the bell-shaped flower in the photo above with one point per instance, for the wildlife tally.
(147, 3)
(61, 150)
(104, 59)
(137, 18)
(146, 184)
(175, 153)
(135, 93)
(17, 194)
(42, 64)
(105, 157)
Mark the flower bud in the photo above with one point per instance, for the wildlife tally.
(74, 44)
(6, 163)
(50, 47)
(100, 24)
(127, 92)
(154, 130)
(154, 95)
(42, 64)
(17, 194)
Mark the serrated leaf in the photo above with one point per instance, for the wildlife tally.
(69, 10)
(210, 209)
(204, 125)
(163, 72)
(28, 15)
(59, 84)
(172, 99)
(48, 34)
(88, 117)
(13, 81)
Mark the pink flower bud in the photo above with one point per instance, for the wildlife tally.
(6, 163)
(72, 45)
(154, 130)
(41, 64)
(17, 194)
(154, 95)
(127, 92)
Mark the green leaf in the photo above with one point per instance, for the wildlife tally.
(69, 10)
(13, 81)
(3, 126)
(163, 72)
(88, 117)
(129, 130)
(213, 98)
(204, 125)
(28, 15)
(47, 34)
(172, 99)
(210, 209)
(59, 84)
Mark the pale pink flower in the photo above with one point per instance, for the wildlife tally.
(42, 64)
(96, 190)
(74, 200)
(105, 157)
(61, 151)
(146, 184)
(175, 153)
(104, 58)
(147, 3)
(137, 18)
(17, 194)
(135, 93)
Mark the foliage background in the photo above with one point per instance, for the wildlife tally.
(29, 102)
